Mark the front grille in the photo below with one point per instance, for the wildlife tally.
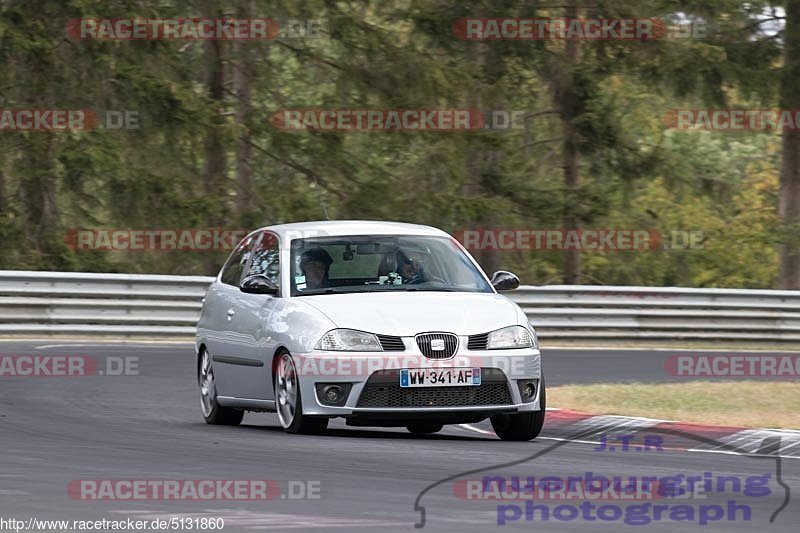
(383, 390)
(390, 343)
(478, 342)
(437, 345)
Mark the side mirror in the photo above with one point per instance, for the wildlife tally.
(504, 281)
(258, 284)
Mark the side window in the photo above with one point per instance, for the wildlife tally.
(234, 267)
(266, 258)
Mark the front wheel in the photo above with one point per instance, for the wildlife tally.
(213, 412)
(289, 402)
(521, 426)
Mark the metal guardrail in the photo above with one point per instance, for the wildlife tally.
(141, 306)
(631, 313)
(125, 305)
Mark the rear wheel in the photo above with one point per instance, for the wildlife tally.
(521, 426)
(423, 428)
(289, 401)
(213, 412)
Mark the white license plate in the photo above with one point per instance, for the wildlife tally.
(439, 377)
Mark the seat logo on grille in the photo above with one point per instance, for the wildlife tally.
(437, 345)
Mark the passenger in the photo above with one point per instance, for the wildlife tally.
(409, 269)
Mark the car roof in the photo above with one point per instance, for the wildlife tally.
(335, 228)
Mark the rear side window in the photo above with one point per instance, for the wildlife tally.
(234, 267)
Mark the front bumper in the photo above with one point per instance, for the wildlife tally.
(356, 369)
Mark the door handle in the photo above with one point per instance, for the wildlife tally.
(231, 312)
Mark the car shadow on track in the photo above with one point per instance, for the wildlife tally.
(376, 434)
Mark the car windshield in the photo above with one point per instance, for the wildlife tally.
(329, 265)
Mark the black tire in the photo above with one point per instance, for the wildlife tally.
(300, 424)
(215, 414)
(424, 428)
(224, 416)
(306, 425)
(522, 426)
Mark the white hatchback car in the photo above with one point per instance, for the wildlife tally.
(381, 323)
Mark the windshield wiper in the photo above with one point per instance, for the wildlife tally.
(316, 292)
(430, 289)
(394, 288)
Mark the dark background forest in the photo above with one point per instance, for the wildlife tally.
(594, 151)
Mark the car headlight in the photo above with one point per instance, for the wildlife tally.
(349, 340)
(510, 337)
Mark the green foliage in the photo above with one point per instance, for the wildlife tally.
(384, 55)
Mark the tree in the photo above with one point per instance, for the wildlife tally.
(789, 207)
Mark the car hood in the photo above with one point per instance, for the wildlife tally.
(408, 313)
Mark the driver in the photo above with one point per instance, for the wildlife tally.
(409, 269)
(315, 265)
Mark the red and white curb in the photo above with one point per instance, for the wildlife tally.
(585, 428)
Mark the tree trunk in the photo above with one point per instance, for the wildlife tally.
(216, 161)
(481, 160)
(789, 203)
(566, 102)
(38, 194)
(2, 191)
(214, 147)
(241, 80)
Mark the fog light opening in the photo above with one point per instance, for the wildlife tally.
(332, 393)
(529, 390)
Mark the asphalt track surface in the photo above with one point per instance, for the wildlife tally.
(149, 426)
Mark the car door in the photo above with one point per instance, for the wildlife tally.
(219, 312)
(247, 363)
